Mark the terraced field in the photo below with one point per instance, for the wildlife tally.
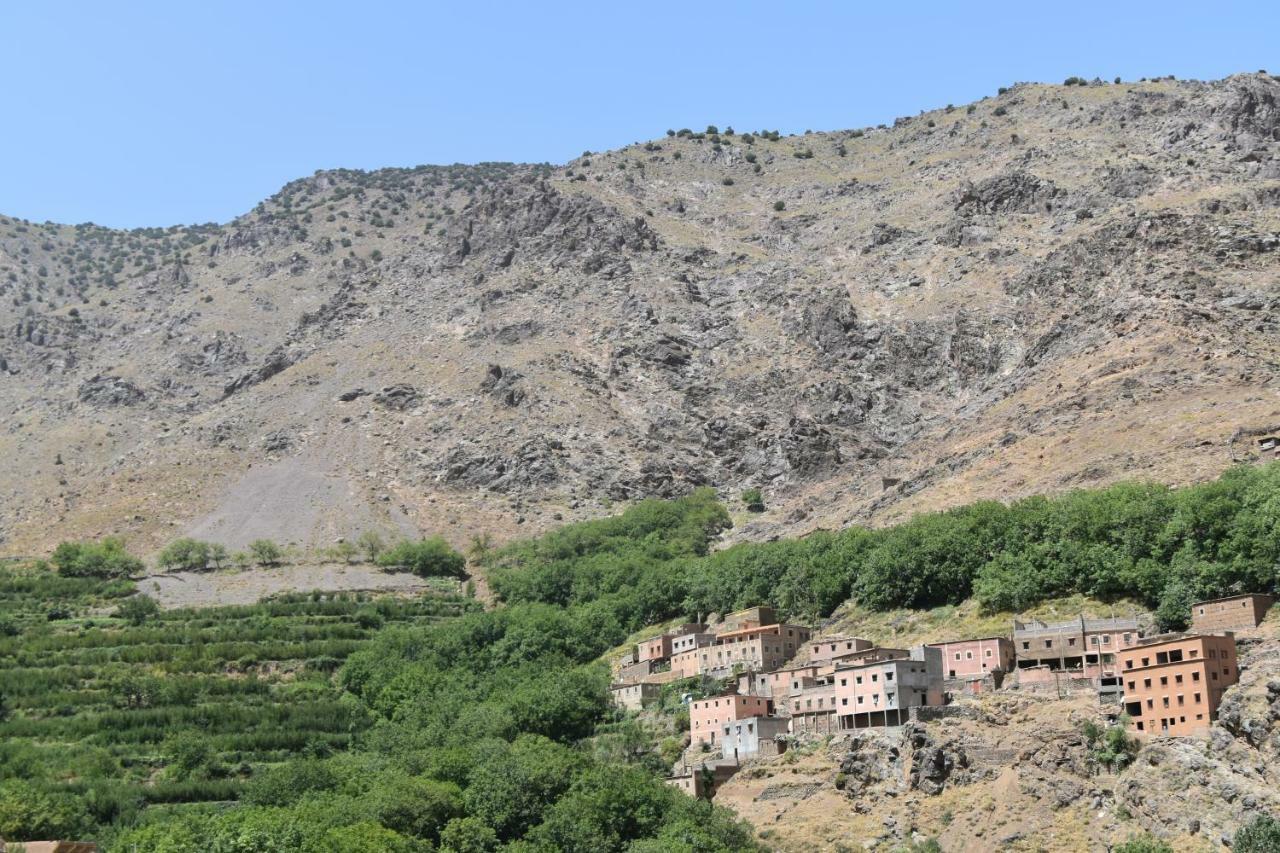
(180, 706)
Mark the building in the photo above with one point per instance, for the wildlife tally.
(760, 648)
(752, 617)
(633, 672)
(1084, 648)
(811, 703)
(1173, 684)
(686, 640)
(688, 663)
(971, 659)
(708, 716)
(702, 781)
(741, 739)
(881, 693)
(655, 648)
(1268, 448)
(825, 649)
(1236, 613)
(635, 697)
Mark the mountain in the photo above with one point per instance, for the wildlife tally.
(1055, 287)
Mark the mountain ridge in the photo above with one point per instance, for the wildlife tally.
(1056, 286)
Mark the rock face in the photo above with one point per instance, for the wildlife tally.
(1059, 287)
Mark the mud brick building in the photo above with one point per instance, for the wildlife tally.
(1174, 684)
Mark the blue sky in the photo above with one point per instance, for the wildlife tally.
(134, 114)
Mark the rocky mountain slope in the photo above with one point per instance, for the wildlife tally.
(1014, 771)
(1056, 286)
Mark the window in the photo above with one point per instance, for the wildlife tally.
(1164, 681)
(1146, 682)
(957, 656)
(1195, 676)
(875, 676)
(968, 655)
(888, 676)
(1177, 679)
(987, 653)
(844, 701)
(1133, 685)
(1026, 646)
(1048, 644)
(1197, 700)
(1181, 700)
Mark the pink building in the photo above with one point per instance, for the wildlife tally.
(968, 659)
(824, 649)
(883, 692)
(655, 648)
(708, 716)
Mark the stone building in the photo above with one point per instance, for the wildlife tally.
(826, 649)
(635, 697)
(1173, 684)
(1081, 648)
(1235, 613)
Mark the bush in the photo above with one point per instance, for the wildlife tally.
(104, 559)
(265, 552)
(779, 205)
(137, 609)
(1142, 844)
(427, 557)
(754, 500)
(187, 554)
(1262, 835)
(372, 544)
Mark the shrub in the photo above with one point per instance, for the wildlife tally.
(754, 500)
(104, 559)
(779, 205)
(137, 609)
(372, 544)
(1261, 835)
(188, 554)
(728, 182)
(1000, 111)
(426, 557)
(265, 552)
(1142, 844)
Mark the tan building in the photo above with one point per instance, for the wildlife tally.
(1083, 648)
(688, 640)
(966, 659)
(825, 649)
(1236, 613)
(655, 648)
(708, 716)
(752, 617)
(635, 697)
(1174, 684)
(811, 703)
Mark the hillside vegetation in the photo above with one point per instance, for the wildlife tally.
(491, 730)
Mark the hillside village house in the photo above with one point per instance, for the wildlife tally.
(811, 703)
(826, 649)
(881, 693)
(1235, 613)
(964, 660)
(752, 617)
(1174, 684)
(1084, 648)
(635, 697)
(708, 716)
(753, 736)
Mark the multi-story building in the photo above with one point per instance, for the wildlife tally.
(694, 637)
(1082, 647)
(634, 697)
(826, 649)
(1173, 684)
(1236, 613)
(741, 739)
(811, 703)
(763, 648)
(967, 659)
(708, 716)
(654, 648)
(881, 693)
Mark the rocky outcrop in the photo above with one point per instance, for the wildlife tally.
(110, 391)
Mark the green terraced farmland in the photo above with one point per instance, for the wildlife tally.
(186, 706)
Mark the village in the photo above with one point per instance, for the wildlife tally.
(782, 683)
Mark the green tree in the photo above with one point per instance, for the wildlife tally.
(106, 558)
(1261, 835)
(28, 813)
(468, 835)
(426, 557)
(265, 552)
(372, 544)
(185, 554)
(187, 754)
(344, 551)
(218, 554)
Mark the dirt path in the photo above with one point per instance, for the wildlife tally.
(210, 589)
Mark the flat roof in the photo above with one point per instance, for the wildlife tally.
(1234, 597)
(974, 640)
(1182, 636)
(778, 625)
